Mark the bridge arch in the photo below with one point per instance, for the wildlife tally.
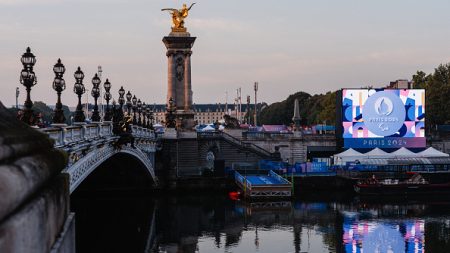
(80, 170)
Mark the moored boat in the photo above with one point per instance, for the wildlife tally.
(414, 185)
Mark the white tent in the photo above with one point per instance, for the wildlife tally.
(349, 155)
(378, 153)
(432, 152)
(404, 152)
(208, 128)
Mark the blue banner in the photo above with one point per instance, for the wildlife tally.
(389, 142)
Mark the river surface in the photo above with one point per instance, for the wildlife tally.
(215, 223)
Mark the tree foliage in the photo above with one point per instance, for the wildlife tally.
(437, 92)
(313, 109)
(40, 107)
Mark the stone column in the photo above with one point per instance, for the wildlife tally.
(170, 87)
(178, 80)
(187, 82)
(179, 87)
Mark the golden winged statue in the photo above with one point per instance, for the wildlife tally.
(178, 17)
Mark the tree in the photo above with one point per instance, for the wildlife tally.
(44, 110)
(438, 91)
(313, 109)
(420, 80)
(282, 112)
(40, 107)
(328, 112)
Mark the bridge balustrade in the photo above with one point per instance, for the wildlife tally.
(72, 134)
(91, 131)
(106, 130)
(56, 134)
(137, 131)
(142, 132)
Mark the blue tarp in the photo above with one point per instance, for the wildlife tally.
(324, 128)
(272, 165)
(309, 167)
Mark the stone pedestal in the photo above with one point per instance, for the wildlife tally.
(179, 44)
(185, 120)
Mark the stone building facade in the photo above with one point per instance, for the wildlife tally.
(207, 113)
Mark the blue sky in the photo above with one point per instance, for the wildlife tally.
(287, 46)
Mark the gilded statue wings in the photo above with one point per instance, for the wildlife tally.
(191, 6)
(171, 9)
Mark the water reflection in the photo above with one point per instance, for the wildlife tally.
(384, 236)
(213, 223)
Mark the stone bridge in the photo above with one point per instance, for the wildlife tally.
(90, 145)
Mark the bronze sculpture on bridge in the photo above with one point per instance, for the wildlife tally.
(178, 17)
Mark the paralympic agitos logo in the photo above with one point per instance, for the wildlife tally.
(384, 113)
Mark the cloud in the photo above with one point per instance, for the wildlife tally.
(29, 2)
(219, 24)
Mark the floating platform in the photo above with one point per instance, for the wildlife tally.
(270, 185)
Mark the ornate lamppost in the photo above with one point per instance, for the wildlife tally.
(144, 112)
(147, 114)
(28, 79)
(115, 118)
(134, 100)
(114, 112)
(95, 92)
(59, 85)
(139, 108)
(121, 102)
(107, 96)
(79, 89)
(129, 105)
(150, 118)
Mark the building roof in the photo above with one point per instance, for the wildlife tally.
(207, 107)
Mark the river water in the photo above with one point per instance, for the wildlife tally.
(215, 223)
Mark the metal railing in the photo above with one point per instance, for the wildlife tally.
(234, 140)
(265, 135)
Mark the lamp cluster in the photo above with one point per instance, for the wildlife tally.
(142, 113)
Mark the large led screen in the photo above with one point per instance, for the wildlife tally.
(383, 118)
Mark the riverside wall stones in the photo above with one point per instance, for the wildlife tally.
(34, 202)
